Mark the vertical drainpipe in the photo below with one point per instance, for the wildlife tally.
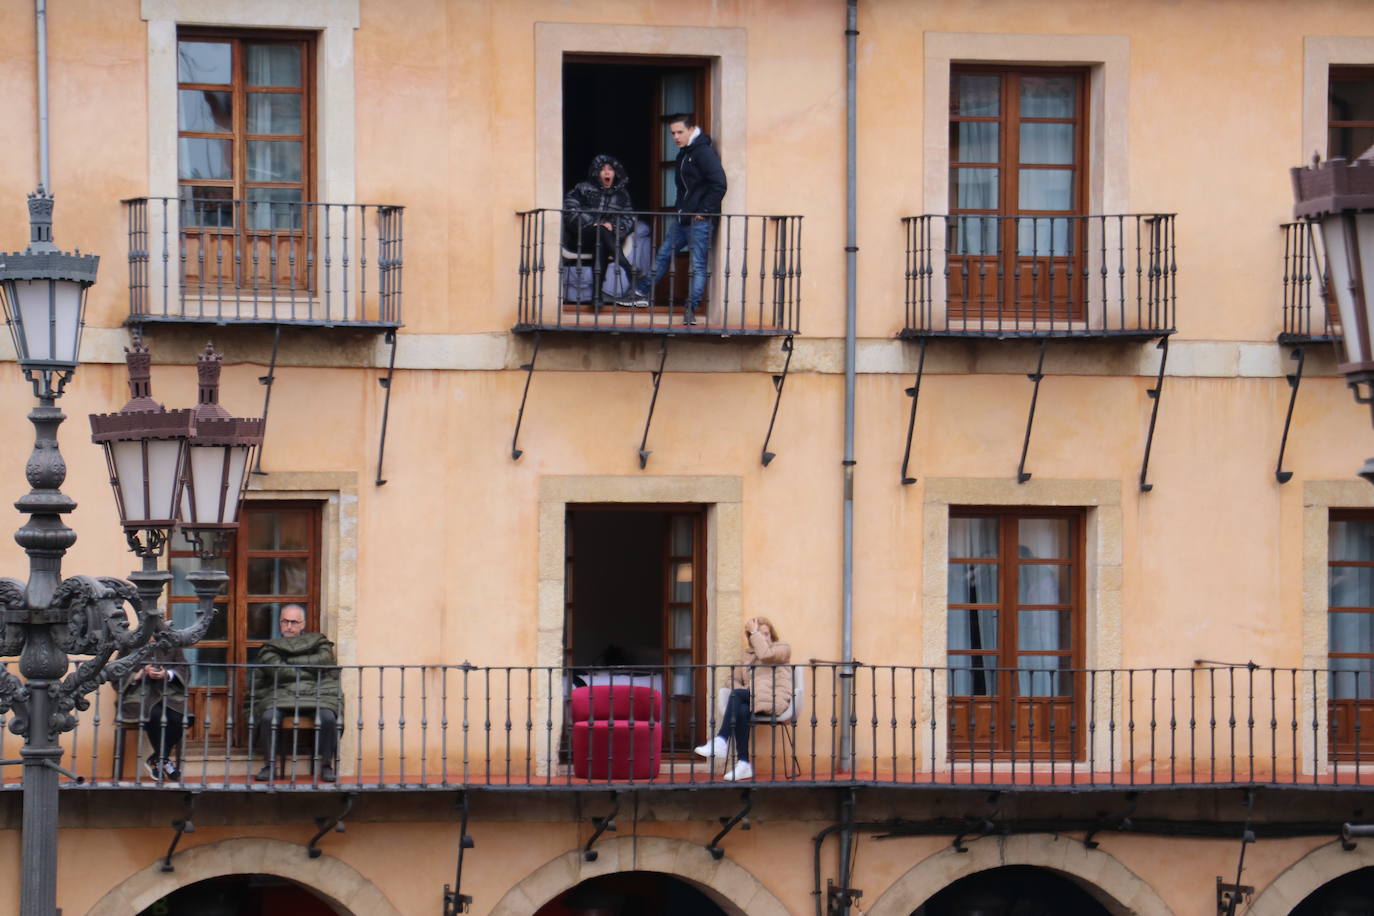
(851, 267)
(41, 17)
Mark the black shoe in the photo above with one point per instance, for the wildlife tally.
(327, 774)
(264, 774)
(153, 767)
(689, 318)
(170, 771)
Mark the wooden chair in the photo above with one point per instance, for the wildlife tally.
(296, 738)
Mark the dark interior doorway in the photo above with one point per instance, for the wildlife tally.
(634, 602)
(634, 893)
(618, 104)
(240, 895)
(1349, 895)
(1015, 890)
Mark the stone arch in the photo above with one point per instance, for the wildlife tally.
(1293, 884)
(735, 889)
(1114, 885)
(342, 884)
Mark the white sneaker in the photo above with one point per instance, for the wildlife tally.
(716, 747)
(741, 770)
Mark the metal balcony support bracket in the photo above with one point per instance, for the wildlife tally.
(914, 392)
(386, 403)
(334, 822)
(455, 901)
(266, 381)
(1153, 394)
(980, 825)
(1021, 474)
(1230, 896)
(602, 824)
(181, 825)
(1118, 822)
(528, 368)
(728, 822)
(1294, 382)
(1350, 831)
(778, 382)
(644, 450)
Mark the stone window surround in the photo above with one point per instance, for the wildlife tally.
(333, 20)
(725, 47)
(337, 493)
(723, 562)
(1319, 54)
(1319, 497)
(1103, 554)
(1108, 58)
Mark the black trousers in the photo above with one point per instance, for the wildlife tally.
(326, 724)
(163, 737)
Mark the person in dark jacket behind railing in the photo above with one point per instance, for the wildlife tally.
(155, 695)
(701, 185)
(297, 674)
(595, 220)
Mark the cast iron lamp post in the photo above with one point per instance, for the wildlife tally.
(43, 621)
(1339, 196)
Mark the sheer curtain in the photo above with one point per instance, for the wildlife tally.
(973, 583)
(1041, 630)
(1351, 587)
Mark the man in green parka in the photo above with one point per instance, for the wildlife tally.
(297, 674)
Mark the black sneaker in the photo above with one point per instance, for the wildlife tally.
(327, 774)
(689, 318)
(153, 767)
(170, 771)
(264, 774)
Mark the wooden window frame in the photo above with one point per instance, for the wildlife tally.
(1346, 74)
(233, 604)
(239, 88)
(1006, 299)
(1344, 742)
(1068, 742)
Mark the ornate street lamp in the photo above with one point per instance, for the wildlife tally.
(217, 470)
(1339, 196)
(50, 618)
(44, 295)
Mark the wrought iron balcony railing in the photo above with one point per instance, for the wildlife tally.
(515, 727)
(1306, 314)
(223, 261)
(752, 284)
(1040, 276)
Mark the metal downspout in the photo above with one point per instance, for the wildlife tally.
(41, 15)
(851, 253)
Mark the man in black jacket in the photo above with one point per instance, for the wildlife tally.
(700, 188)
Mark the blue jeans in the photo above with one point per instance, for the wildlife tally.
(737, 721)
(695, 236)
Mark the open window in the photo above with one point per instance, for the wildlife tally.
(620, 105)
(634, 608)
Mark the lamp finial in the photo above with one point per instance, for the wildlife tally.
(207, 370)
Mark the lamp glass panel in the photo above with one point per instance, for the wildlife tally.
(1364, 231)
(155, 501)
(208, 481)
(50, 312)
(1338, 264)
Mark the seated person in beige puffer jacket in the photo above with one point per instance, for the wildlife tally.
(761, 683)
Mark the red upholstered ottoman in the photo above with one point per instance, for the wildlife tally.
(617, 732)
